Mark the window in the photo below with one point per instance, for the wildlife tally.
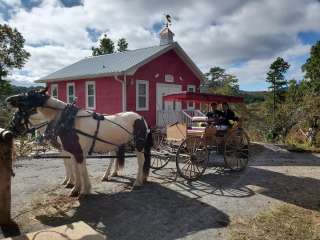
(54, 90)
(90, 95)
(71, 95)
(191, 88)
(142, 95)
(168, 78)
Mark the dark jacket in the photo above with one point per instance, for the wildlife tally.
(214, 116)
(226, 116)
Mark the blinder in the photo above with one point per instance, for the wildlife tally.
(27, 104)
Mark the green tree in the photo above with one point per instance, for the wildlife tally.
(122, 45)
(106, 46)
(12, 52)
(215, 77)
(12, 55)
(218, 81)
(275, 77)
(312, 70)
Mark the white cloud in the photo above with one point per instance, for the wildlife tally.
(212, 33)
(255, 71)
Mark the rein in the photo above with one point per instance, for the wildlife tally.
(40, 125)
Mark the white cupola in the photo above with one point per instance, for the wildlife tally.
(166, 36)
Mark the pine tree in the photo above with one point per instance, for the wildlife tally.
(275, 77)
(106, 46)
(122, 45)
(312, 70)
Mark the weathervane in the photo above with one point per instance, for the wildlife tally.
(168, 20)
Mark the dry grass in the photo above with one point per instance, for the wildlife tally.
(286, 222)
(56, 207)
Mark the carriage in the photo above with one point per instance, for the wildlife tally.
(193, 145)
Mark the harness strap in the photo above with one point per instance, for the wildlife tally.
(38, 127)
(94, 137)
(97, 138)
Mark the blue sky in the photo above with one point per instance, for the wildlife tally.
(244, 36)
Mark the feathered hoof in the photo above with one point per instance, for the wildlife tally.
(145, 179)
(136, 188)
(114, 174)
(64, 182)
(69, 185)
(105, 179)
(74, 193)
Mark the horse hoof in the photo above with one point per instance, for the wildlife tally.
(114, 174)
(69, 185)
(136, 187)
(75, 193)
(85, 192)
(64, 182)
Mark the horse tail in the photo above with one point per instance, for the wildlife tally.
(147, 153)
(120, 156)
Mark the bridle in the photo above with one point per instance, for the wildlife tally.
(20, 124)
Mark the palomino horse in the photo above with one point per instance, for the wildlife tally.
(88, 133)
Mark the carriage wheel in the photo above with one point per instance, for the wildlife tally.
(159, 152)
(236, 150)
(192, 158)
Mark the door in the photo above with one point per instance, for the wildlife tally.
(164, 89)
(167, 111)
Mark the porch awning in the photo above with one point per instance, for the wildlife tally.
(202, 97)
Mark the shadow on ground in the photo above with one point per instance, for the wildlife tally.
(219, 181)
(300, 191)
(153, 212)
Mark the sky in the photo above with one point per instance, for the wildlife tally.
(242, 36)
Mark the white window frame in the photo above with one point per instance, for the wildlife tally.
(146, 108)
(191, 107)
(169, 78)
(51, 90)
(74, 91)
(95, 93)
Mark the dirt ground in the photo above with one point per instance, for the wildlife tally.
(166, 208)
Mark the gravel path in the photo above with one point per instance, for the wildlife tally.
(165, 208)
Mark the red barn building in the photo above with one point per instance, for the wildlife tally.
(134, 80)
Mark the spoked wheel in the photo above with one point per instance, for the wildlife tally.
(159, 152)
(236, 150)
(192, 158)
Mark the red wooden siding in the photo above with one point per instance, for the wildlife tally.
(168, 63)
(108, 94)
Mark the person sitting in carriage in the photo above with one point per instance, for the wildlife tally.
(226, 117)
(214, 115)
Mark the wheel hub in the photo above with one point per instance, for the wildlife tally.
(193, 158)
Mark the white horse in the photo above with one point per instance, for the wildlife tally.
(111, 133)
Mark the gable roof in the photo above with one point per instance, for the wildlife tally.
(118, 63)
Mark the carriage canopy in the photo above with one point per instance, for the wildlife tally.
(202, 97)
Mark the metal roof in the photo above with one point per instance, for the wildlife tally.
(115, 64)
